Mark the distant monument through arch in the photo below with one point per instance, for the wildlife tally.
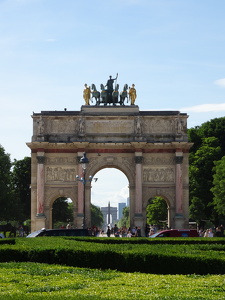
(150, 147)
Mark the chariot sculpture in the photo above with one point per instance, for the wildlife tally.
(109, 94)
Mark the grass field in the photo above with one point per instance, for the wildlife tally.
(43, 281)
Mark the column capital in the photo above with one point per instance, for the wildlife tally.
(138, 159)
(40, 159)
(178, 159)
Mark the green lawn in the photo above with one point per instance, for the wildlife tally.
(43, 281)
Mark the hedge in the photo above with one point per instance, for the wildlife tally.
(155, 258)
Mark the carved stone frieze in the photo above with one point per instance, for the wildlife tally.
(60, 174)
(61, 160)
(160, 160)
(158, 175)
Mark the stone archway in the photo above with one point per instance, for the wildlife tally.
(118, 162)
(151, 148)
(167, 205)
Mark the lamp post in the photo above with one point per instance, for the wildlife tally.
(84, 162)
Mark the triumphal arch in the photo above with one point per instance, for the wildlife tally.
(150, 147)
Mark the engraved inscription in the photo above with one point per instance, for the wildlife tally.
(106, 126)
(60, 125)
(160, 126)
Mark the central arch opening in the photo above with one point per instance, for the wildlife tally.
(111, 194)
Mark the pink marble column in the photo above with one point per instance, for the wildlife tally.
(40, 183)
(138, 184)
(179, 183)
(80, 200)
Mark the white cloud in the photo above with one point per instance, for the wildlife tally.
(217, 107)
(220, 82)
(50, 40)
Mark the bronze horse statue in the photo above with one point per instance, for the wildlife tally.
(104, 95)
(124, 94)
(115, 95)
(108, 98)
(95, 94)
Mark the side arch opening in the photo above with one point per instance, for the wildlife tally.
(62, 213)
(157, 215)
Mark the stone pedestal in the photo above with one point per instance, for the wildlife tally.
(180, 222)
(139, 222)
(40, 221)
(79, 221)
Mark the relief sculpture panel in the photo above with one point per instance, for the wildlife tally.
(158, 175)
(60, 174)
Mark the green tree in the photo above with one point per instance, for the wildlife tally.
(62, 211)
(20, 180)
(7, 211)
(96, 216)
(213, 128)
(197, 210)
(201, 178)
(125, 220)
(218, 189)
(156, 211)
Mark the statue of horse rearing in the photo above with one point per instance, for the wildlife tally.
(95, 94)
(123, 94)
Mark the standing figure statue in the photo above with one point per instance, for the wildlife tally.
(87, 94)
(132, 94)
(109, 85)
(40, 127)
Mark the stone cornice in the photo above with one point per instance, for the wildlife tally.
(110, 147)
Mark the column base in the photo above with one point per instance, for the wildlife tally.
(180, 222)
(40, 221)
(139, 222)
(79, 221)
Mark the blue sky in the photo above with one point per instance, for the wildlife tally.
(173, 50)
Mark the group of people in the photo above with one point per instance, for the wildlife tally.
(123, 231)
(87, 91)
(218, 232)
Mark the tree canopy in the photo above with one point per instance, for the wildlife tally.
(62, 212)
(125, 220)
(208, 148)
(96, 216)
(218, 188)
(6, 195)
(20, 180)
(156, 211)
